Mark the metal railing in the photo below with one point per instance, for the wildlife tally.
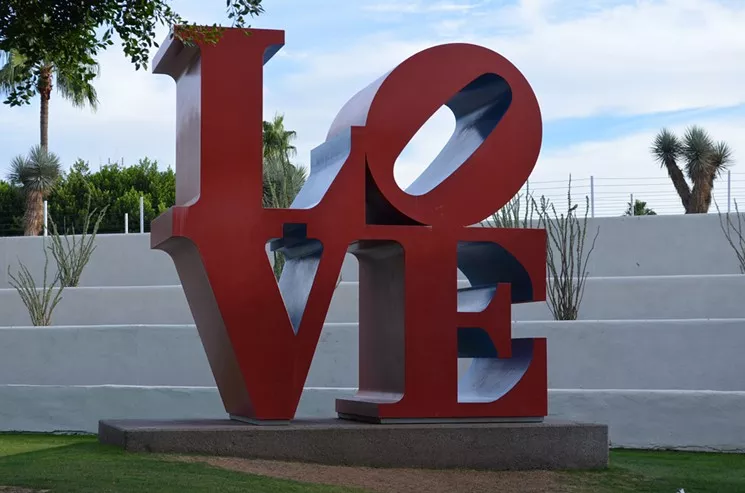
(605, 196)
(609, 196)
(45, 230)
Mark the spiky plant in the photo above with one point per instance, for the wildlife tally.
(39, 301)
(514, 214)
(72, 254)
(734, 231)
(703, 160)
(567, 256)
(36, 174)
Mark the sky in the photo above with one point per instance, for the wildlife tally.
(608, 74)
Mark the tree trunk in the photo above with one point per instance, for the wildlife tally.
(45, 93)
(679, 182)
(33, 216)
(707, 199)
(699, 196)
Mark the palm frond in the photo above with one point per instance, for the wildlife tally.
(38, 172)
(79, 93)
(721, 157)
(697, 151)
(18, 170)
(277, 140)
(666, 147)
(282, 182)
(10, 62)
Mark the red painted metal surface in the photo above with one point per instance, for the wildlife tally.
(407, 242)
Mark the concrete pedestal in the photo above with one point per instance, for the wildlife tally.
(494, 446)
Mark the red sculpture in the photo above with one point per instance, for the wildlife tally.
(260, 337)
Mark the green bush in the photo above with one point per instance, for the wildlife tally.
(114, 188)
(11, 210)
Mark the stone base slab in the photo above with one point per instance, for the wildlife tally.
(494, 446)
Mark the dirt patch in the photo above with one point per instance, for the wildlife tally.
(396, 480)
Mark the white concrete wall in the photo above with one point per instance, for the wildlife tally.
(119, 260)
(671, 355)
(606, 298)
(626, 246)
(653, 298)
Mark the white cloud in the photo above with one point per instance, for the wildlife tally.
(633, 59)
(639, 58)
(419, 7)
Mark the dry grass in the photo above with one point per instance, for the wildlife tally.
(395, 480)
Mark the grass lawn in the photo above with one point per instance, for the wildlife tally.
(79, 464)
(660, 472)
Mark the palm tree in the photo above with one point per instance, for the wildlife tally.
(282, 180)
(277, 140)
(640, 209)
(703, 159)
(36, 174)
(80, 92)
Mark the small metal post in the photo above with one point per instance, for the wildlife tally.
(126, 223)
(142, 214)
(633, 209)
(592, 196)
(46, 218)
(729, 190)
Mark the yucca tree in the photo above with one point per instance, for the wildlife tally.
(703, 161)
(80, 93)
(36, 174)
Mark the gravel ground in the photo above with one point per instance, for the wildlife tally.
(396, 480)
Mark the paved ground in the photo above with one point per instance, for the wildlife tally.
(396, 480)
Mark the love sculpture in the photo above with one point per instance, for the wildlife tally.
(414, 322)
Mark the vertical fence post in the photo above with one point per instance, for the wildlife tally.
(729, 190)
(46, 218)
(126, 223)
(592, 196)
(633, 209)
(142, 214)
